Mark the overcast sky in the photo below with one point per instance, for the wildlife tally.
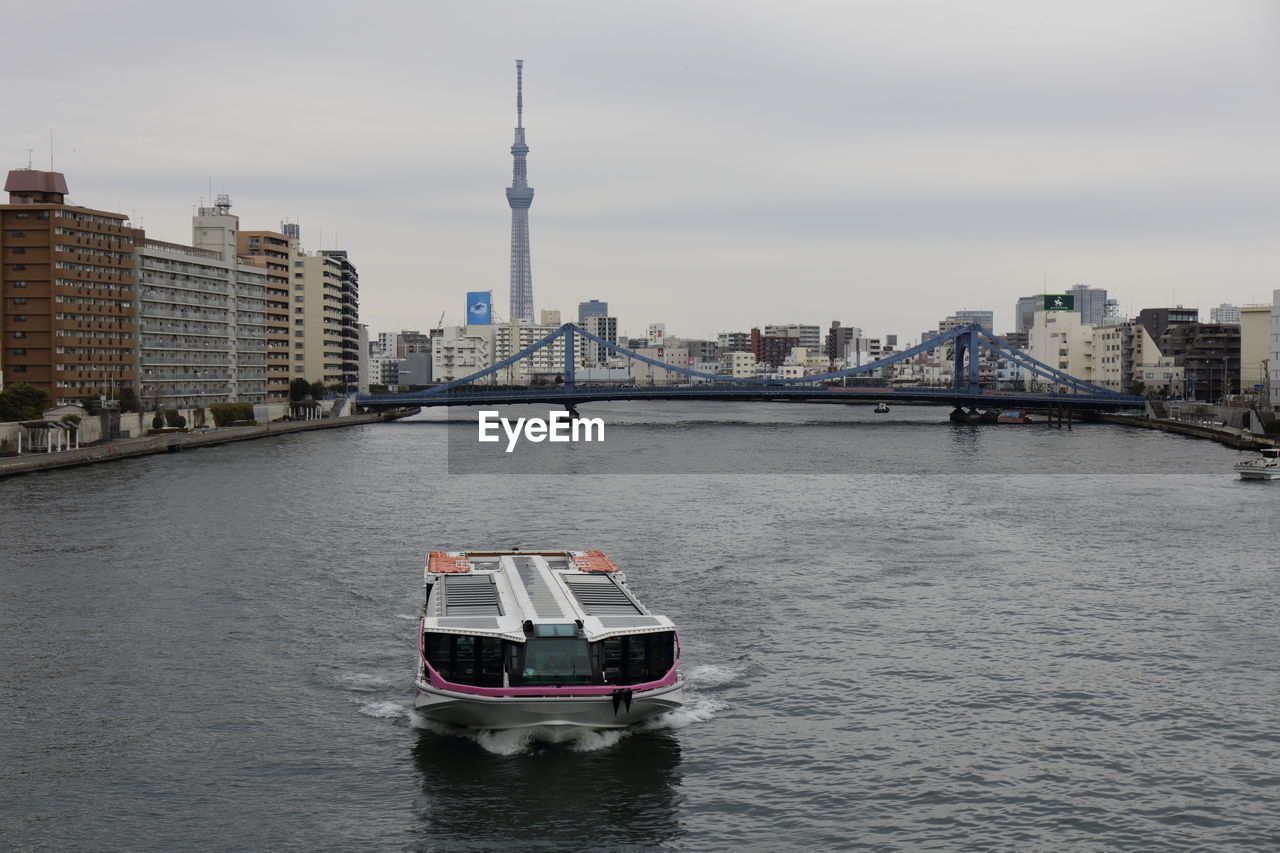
(710, 165)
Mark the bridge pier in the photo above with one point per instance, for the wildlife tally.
(1055, 418)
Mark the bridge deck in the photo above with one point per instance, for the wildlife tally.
(561, 396)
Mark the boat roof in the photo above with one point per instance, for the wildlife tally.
(494, 593)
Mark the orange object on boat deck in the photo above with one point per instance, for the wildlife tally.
(593, 561)
(446, 562)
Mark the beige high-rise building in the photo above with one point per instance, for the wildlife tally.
(1255, 345)
(273, 252)
(316, 318)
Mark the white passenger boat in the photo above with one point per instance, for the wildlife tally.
(514, 639)
(882, 408)
(1264, 467)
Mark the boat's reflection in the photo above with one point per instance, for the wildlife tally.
(549, 796)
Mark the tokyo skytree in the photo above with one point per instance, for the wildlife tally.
(520, 196)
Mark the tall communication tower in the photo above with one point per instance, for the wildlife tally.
(520, 196)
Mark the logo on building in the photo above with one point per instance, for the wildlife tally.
(1059, 302)
(479, 308)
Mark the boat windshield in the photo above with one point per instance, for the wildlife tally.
(555, 661)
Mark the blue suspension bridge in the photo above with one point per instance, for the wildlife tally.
(1069, 394)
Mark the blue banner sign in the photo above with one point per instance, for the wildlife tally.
(479, 308)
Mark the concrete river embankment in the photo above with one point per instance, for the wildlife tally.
(126, 448)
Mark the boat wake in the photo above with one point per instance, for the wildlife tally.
(385, 710)
(712, 675)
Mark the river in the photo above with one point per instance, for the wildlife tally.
(898, 634)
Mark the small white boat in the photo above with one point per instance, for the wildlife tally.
(1264, 467)
(882, 408)
(516, 639)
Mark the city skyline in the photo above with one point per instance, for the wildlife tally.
(880, 165)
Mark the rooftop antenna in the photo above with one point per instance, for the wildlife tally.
(50, 149)
(30, 151)
(519, 93)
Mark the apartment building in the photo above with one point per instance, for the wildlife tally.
(459, 351)
(202, 317)
(1255, 345)
(202, 333)
(601, 326)
(350, 316)
(544, 366)
(317, 318)
(68, 298)
(273, 252)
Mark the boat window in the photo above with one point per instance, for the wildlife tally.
(555, 630)
(554, 661)
(637, 658)
(464, 659)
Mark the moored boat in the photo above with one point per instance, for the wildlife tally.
(1266, 466)
(881, 408)
(515, 639)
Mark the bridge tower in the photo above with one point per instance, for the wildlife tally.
(967, 379)
(520, 197)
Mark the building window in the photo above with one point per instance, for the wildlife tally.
(297, 298)
(19, 267)
(19, 318)
(19, 334)
(19, 284)
(20, 351)
(19, 300)
(19, 233)
(298, 311)
(253, 243)
(19, 250)
(22, 215)
(19, 368)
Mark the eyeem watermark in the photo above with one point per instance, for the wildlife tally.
(558, 426)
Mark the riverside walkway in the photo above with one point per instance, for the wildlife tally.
(128, 448)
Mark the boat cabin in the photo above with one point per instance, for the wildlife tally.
(539, 619)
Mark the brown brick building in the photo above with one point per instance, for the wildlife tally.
(68, 300)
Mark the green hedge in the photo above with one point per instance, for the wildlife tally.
(225, 414)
